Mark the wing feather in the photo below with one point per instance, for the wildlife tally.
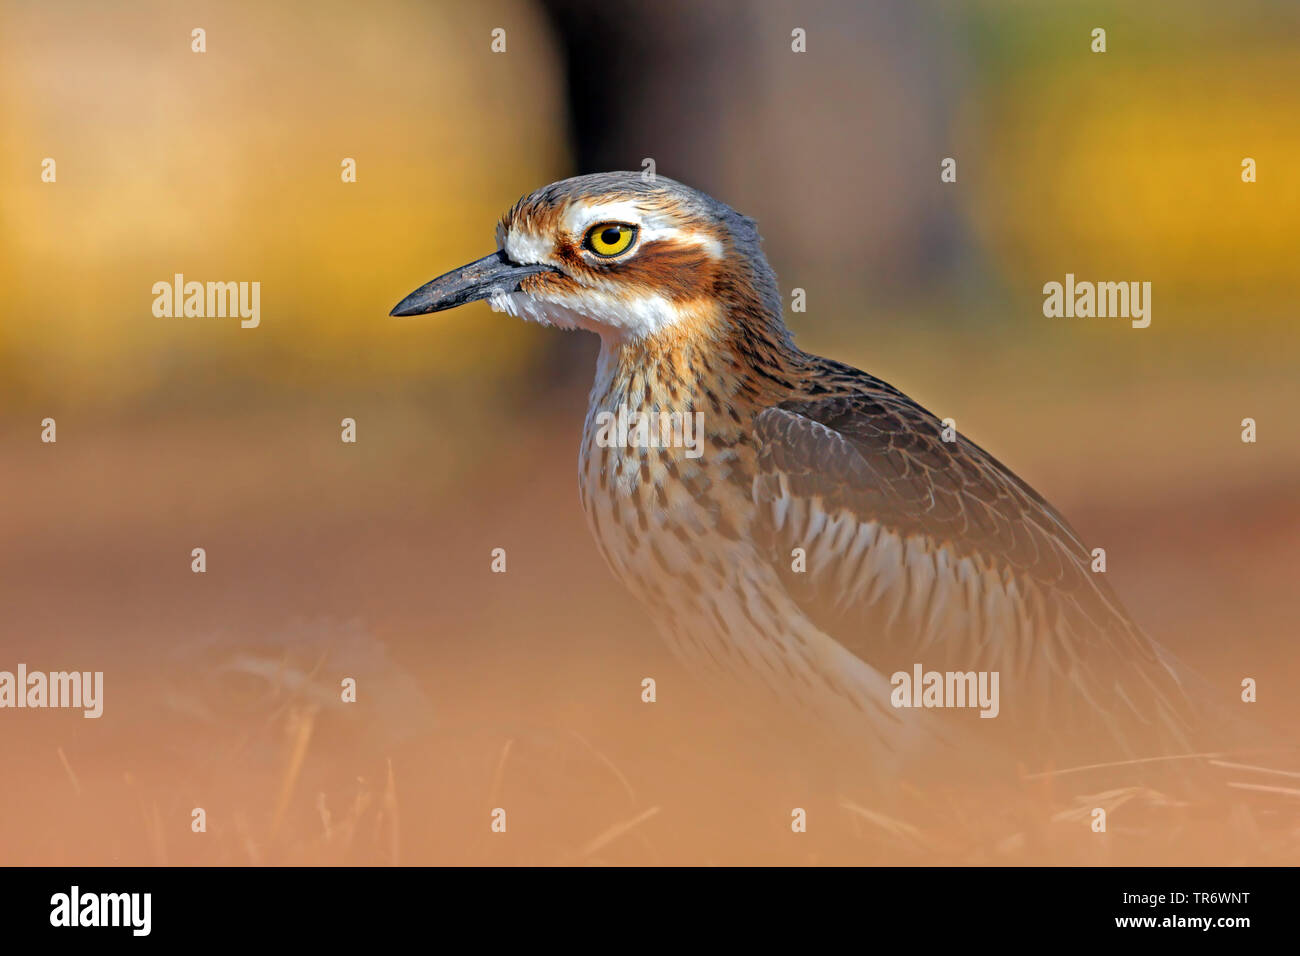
(927, 551)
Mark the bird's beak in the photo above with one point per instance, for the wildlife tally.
(478, 280)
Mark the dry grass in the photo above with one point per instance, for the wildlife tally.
(522, 691)
(284, 784)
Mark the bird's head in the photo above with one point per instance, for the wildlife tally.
(618, 255)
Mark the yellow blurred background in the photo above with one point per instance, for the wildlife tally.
(175, 433)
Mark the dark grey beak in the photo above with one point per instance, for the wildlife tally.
(478, 280)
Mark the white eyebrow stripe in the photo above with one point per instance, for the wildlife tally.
(581, 216)
(528, 247)
(708, 243)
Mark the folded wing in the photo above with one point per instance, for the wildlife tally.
(921, 550)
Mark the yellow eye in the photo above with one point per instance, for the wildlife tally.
(610, 238)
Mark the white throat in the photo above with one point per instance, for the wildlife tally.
(617, 318)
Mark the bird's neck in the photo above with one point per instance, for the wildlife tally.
(731, 357)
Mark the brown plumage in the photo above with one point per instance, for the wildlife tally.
(918, 549)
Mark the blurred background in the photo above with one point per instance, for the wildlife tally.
(371, 560)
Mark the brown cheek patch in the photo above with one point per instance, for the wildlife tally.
(678, 271)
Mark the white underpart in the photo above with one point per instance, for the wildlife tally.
(607, 311)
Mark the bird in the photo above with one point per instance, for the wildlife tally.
(822, 532)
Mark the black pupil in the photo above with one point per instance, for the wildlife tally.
(611, 236)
